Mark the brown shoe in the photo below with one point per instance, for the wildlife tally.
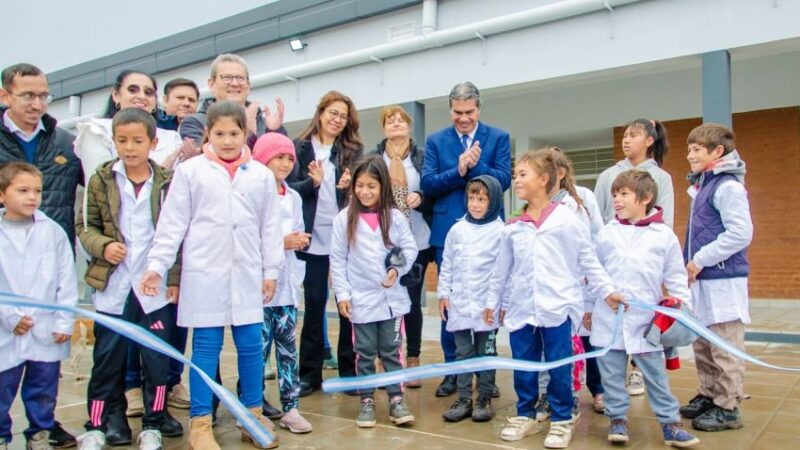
(412, 361)
(246, 437)
(201, 437)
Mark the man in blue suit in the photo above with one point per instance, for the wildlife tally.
(453, 156)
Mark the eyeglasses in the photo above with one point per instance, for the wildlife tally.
(228, 79)
(30, 97)
(334, 114)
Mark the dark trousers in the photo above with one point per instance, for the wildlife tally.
(527, 343)
(39, 392)
(413, 320)
(593, 379)
(312, 340)
(379, 339)
(471, 344)
(106, 392)
(177, 339)
(445, 337)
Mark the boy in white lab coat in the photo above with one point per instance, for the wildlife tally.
(641, 254)
(470, 252)
(35, 261)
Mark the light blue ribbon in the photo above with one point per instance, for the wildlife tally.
(143, 337)
(497, 363)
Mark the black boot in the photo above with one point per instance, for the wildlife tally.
(118, 432)
(447, 387)
(697, 406)
(270, 411)
(61, 438)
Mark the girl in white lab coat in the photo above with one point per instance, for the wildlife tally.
(223, 208)
(544, 252)
(371, 248)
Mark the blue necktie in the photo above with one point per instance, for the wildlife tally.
(465, 142)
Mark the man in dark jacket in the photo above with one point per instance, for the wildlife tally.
(29, 134)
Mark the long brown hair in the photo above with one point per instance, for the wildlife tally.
(568, 182)
(348, 140)
(375, 167)
(542, 162)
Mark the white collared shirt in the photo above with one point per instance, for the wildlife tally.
(19, 132)
(136, 227)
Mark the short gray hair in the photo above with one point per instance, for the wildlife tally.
(465, 91)
(228, 57)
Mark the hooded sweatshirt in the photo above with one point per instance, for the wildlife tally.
(470, 252)
(666, 194)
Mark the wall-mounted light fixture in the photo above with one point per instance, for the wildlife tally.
(297, 44)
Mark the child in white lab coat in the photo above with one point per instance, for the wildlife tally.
(224, 208)
(371, 248)
(35, 261)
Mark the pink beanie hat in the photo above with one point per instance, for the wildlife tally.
(271, 145)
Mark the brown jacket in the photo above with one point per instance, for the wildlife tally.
(102, 221)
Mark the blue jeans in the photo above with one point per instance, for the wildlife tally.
(177, 339)
(206, 347)
(447, 338)
(613, 367)
(527, 344)
(39, 392)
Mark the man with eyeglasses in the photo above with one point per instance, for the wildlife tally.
(230, 80)
(29, 134)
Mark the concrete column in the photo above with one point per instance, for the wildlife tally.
(417, 112)
(717, 105)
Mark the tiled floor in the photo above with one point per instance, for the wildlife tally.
(771, 414)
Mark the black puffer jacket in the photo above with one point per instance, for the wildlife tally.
(59, 165)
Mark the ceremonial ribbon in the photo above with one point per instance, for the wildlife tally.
(498, 363)
(143, 337)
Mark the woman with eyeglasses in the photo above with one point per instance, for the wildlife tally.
(326, 149)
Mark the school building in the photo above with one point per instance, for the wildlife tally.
(567, 73)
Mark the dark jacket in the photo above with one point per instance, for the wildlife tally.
(56, 160)
(196, 124)
(300, 181)
(102, 217)
(417, 160)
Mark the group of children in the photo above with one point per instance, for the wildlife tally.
(205, 237)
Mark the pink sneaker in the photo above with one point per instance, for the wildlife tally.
(294, 422)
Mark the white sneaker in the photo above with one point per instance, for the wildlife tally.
(559, 436)
(519, 427)
(91, 440)
(178, 397)
(149, 440)
(39, 441)
(635, 384)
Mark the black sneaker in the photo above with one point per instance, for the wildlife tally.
(697, 406)
(460, 410)
(483, 410)
(447, 387)
(170, 427)
(718, 419)
(307, 388)
(61, 438)
(270, 411)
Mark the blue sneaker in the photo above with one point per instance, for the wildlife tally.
(676, 436)
(618, 431)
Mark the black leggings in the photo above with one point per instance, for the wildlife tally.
(413, 320)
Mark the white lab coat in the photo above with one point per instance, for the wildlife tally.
(470, 252)
(94, 144)
(727, 299)
(231, 241)
(639, 260)
(358, 271)
(292, 270)
(541, 267)
(42, 268)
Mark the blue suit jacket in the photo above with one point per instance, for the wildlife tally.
(440, 176)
